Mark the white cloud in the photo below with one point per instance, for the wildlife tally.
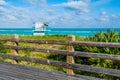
(103, 13)
(103, 17)
(77, 6)
(104, 20)
(2, 2)
(2, 10)
(101, 1)
(36, 3)
(12, 15)
(74, 13)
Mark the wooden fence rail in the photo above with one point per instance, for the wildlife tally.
(66, 42)
(70, 53)
(108, 71)
(61, 42)
(64, 52)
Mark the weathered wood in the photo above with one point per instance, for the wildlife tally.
(70, 59)
(35, 71)
(63, 52)
(65, 42)
(96, 44)
(107, 71)
(59, 42)
(70, 54)
(20, 72)
(95, 55)
(14, 51)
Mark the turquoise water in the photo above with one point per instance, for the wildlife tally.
(74, 31)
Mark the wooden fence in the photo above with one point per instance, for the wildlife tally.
(70, 53)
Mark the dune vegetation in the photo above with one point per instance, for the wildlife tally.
(109, 36)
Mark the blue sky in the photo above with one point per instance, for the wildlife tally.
(60, 13)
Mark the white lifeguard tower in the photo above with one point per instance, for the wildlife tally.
(40, 28)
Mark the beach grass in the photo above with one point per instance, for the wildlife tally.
(39, 54)
(110, 36)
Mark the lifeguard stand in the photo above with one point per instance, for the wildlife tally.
(39, 28)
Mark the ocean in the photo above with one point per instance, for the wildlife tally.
(54, 31)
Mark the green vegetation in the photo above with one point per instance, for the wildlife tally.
(39, 54)
(109, 36)
(2, 50)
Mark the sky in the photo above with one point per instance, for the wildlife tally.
(60, 13)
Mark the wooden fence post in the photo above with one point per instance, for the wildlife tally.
(14, 51)
(70, 59)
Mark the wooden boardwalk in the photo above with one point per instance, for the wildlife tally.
(9, 71)
(18, 72)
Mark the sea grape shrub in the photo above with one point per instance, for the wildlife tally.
(109, 36)
(2, 50)
(58, 57)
